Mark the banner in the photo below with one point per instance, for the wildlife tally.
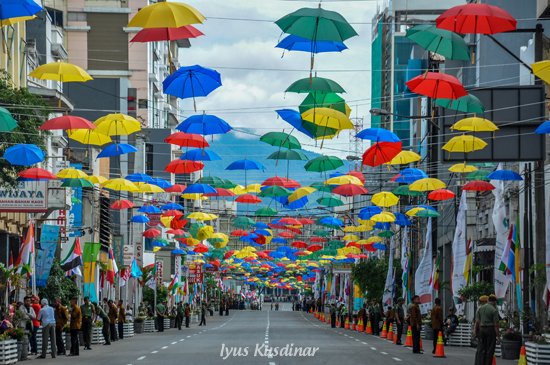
(49, 238)
(89, 257)
(501, 230)
(405, 261)
(75, 213)
(546, 295)
(458, 280)
(387, 297)
(423, 273)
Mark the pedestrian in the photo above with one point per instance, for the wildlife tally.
(179, 315)
(333, 315)
(415, 321)
(35, 305)
(105, 323)
(222, 303)
(88, 315)
(76, 324)
(451, 323)
(61, 320)
(437, 321)
(121, 319)
(203, 314)
(377, 315)
(390, 316)
(361, 314)
(227, 307)
(28, 316)
(161, 312)
(399, 320)
(487, 331)
(187, 313)
(113, 316)
(46, 316)
(129, 313)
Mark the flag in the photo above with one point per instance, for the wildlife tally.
(73, 260)
(26, 254)
(458, 281)
(469, 259)
(135, 271)
(517, 273)
(405, 260)
(501, 229)
(174, 284)
(152, 282)
(124, 276)
(387, 297)
(424, 272)
(89, 258)
(434, 279)
(507, 259)
(111, 267)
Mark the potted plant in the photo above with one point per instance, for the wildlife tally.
(18, 334)
(8, 349)
(139, 323)
(128, 328)
(172, 319)
(538, 351)
(511, 344)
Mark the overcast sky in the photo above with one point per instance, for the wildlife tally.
(252, 68)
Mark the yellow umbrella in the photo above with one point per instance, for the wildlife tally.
(375, 239)
(166, 220)
(414, 211)
(205, 232)
(385, 199)
(120, 184)
(71, 173)
(166, 15)
(252, 188)
(462, 168)
(148, 188)
(427, 184)
(239, 190)
(60, 71)
(326, 117)
(474, 124)
(465, 143)
(365, 227)
(350, 237)
(12, 21)
(404, 157)
(156, 248)
(194, 196)
(384, 217)
(96, 179)
(117, 124)
(300, 193)
(542, 70)
(212, 216)
(343, 179)
(88, 136)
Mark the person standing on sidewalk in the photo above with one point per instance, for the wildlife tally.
(61, 319)
(76, 324)
(46, 316)
(28, 316)
(487, 331)
(437, 321)
(113, 315)
(88, 315)
(105, 321)
(35, 305)
(203, 314)
(179, 316)
(187, 313)
(121, 319)
(399, 320)
(161, 311)
(415, 321)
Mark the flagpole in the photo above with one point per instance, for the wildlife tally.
(33, 260)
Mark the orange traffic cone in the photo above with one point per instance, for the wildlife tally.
(384, 333)
(353, 326)
(440, 347)
(389, 337)
(395, 336)
(522, 356)
(494, 360)
(421, 348)
(368, 330)
(360, 325)
(346, 324)
(409, 339)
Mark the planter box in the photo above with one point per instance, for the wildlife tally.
(462, 336)
(172, 323)
(97, 336)
(138, 327)
(23, 349)
(166, 323)
(39, 342)
(498, 350)
(510, 349)
(8, 352)
(128, 329)
(149, 326)
(537, 354)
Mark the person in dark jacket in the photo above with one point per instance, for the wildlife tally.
(399, 320)
(105, 321)
(415, 320)
(437, 321)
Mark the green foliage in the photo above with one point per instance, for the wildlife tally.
(539, 273)
(59, 286)
(473, 291)
(370, 275)
(149, 294)
(30, 112)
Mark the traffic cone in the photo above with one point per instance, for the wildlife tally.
(395, 336)
(440, 347)
(360, 325)
(421, 348)
(409, 339)
(353, 326)
(368, 330)
(384, 333)
(337, 322)
(346, 324)
(522, 356)
(494, 360)
(389, 337)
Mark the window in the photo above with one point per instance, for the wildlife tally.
(76, 17)
(149, 158)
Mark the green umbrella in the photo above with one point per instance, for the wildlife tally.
(76, 183)
(321, 233)
(320, 186)
(213, 181)
(243, 222)
(386, 234)
(75, 200)
(317, 131)
(478, 175)
(227, 184)
(7, 123)
(266, 212)
(288, 155)
(465, 104)
(330, 201)
(317, 24)
(427, 213)
(440, 41)
(281, 139)
(335, 244)
(273, 191)
(323, 163)
(323, 100)
(315, 84)
(405, 191)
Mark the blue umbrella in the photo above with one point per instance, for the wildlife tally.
(279, 240)
(178, 251)
(380, 246)
(200, 154)
(116, 149)
(506, 175)
(150, 209)
(378, 135)
(18, 8)
(382, 226)
(139, 177)
(296, 204)
(161, 183)
(402, 220)
(368, 212)
(294, 118)
(199, 189)
(336, 174)
(245, 165)
(410, 175)
(263, 232)
(24, 154)
(295, 43)
(171, 206)
(205, 124)
(140, 219)
(331, 222)
(261, 225)
(544, 128)
(191, 82)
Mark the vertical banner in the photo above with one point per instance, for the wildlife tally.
(387, 297)
(423, 273)
(75, 213)
(458, 279)
(89, 258)
(501, 229)
(405, 261)
(49, 238)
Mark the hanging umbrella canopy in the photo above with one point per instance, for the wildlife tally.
(120, 184)
(166, 15)
(281, 139)
(89, 137)
(328, 118)
(544, 128)
(199, 189)
(176, 188)
(146, 188)
(404, 190)
(331, 222)
(221, 192)
(311, 130)
(187, 140)
(378, 135)
(265, 212)
(427, 213)
(293, 155)
(385, 199)
(441, 194)
(427, 184)
(166, 34)
(316, 24)
(243, 222)
(404, 158)
(149, 209)
(210, 180)
(330, 201)
(296, 43)
(504, 175)
(541, 70)
(474, 124)
(248, 199)
(191, 82)
(280, 181)
(117, 124)
(478, 175)
(151, 233)
(476, 19)
(368, 212)
(60, 71)
(315, 84)
(24, 154)
(462, 168)
(200, 155)
(18, 8)
(76, 183)
(183, 166)
(245, 164)
(440, 41)
(139, 177)
(478, 185)
(324, 100)
(384, 217)
(323, 163)
(300, 193)
(13, 21)
(71, 173)
(204, 124)
(139, 219)
(122, 204)
(116, 149)
(36, 173)
(350, 190)
(466, 104)
(464, 144)
(67, 122)
(344, 179)
(274, 191)
(7, 123)
(380, 153)
(437, 85)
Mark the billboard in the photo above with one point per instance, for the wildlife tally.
(27, 196)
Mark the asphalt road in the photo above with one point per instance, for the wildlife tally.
(244, 337)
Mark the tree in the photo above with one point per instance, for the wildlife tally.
(59, 286)
(149, 294)
(30, 112)
(370, 275)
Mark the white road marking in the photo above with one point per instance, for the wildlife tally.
(373, 348)
(271, 363)
(183, 339)
(188, 336)
(141, 358)
(175, 342)
(164, 347)
(364, 343)
(154, 352)
(383, 353)
(396, 359)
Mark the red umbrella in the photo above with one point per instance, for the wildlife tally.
(178, 222)
(478, 185)
(349, 190)
(281, 181)
(300, 253)
(228, 254)
(36, 173)
(306, 221)
(437, 85)
(248, 199)
(357, 174)
(184, 166)
(441, 194)
(239, 233)
(380, 153)
(166, 34)
(200, 248)
(476, 19)
(299, 244)
(313, 248)
(318, 239)
(151, 233)
(176, 188)
(287, 234)
(122, 204)
(172, 213)
(175, 231)
(289, 222)
(353, 244)
(187, 140)
(221, 192)
(67, 122)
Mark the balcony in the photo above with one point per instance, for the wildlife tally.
(58, 49)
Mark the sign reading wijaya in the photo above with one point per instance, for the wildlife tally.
(28, 196)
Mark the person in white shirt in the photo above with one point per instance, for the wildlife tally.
(46, 316)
